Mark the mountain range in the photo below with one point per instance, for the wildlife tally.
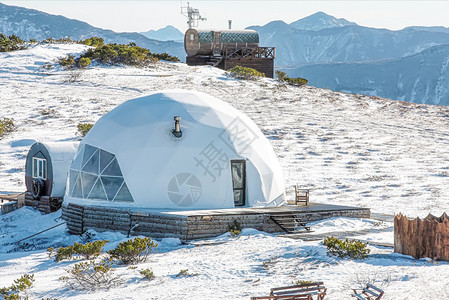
(33, 24)
(408, 64)
(323, 38)
(320, 20)
(168, 33)
(419, 78)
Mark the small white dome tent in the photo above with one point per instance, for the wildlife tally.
(46, 170)
(177, 150)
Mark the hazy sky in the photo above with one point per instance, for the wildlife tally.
(144, 15)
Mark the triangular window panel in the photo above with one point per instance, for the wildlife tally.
(73, 176)
(77, 190)
(88, 182)
(105, 159)
(92, 165)
(124, 195)
(97, 192)
(113, 169)
(111, 185)
(76, 164)
(88, 151)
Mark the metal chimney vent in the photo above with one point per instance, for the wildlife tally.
(230, 24)
(177, 131)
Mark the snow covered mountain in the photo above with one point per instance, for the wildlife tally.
(419, 78)
(30, 23)
(431, 28)
(343, 56)
(345, 43)
(168, 33)
(320, 20)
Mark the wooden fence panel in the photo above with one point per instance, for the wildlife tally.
(419, 238)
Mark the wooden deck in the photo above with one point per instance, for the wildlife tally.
(287, 209)
(10, 202)
(199, 224)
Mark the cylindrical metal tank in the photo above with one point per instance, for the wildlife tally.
(212, 42)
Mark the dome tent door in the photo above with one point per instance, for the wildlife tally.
(238, 169)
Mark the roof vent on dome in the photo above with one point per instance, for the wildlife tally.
(177, 131)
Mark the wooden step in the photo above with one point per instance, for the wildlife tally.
(288, 222)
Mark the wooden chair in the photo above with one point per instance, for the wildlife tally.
(310, 291)
(301, 195)
(370, 292)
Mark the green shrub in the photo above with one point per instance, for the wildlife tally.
(93, 41)
(86, 251)
(282, 77)
(6, 126)
(20, 285)
(185, 273)
(67, 62)
(116, 54)
(147, 273)
(347, 248)
(302, 282)
(83, 128)
(235, 228)
(165, 56)
(49, 40)
(91, 276)
(11, 43)
(133, 251)
(245, 73)
(84, 62)
(66, 40)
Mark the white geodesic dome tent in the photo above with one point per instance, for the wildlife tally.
(134, 156)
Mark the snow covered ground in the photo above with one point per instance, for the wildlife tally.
(348, 149)
(227, 268)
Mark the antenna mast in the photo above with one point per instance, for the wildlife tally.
(192, 14)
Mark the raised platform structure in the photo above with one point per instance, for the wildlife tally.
(199, 224)
(260, 59)
(10, 202)
(44, 204)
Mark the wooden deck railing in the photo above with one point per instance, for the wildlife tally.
(246, 52)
